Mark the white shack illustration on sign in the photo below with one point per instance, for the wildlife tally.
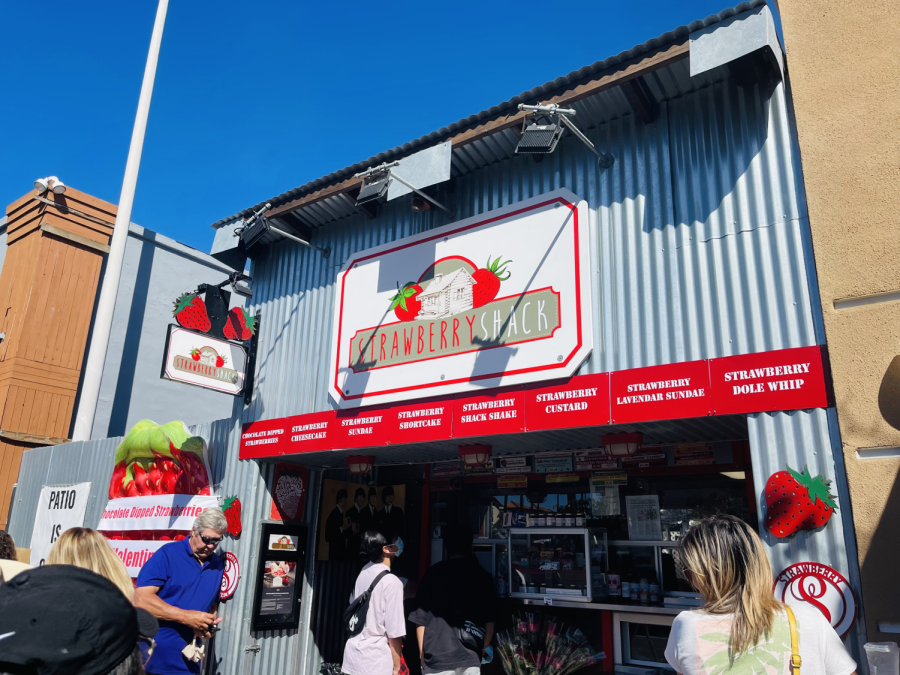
(447, 294)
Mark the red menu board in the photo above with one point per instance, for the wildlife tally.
(666, 392)
(310, 433)
(262, 439)
(787, 379)
(421, 423)
(361, 428)
(502, 413)
(582, 401)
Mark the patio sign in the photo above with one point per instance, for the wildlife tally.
(499, 299)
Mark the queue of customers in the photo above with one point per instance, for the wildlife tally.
(80, 613)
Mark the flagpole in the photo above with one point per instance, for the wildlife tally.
(93, 371)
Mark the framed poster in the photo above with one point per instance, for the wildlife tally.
(277, 586)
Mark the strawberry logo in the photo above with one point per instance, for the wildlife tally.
(239, 325)
(797, 501)
(406, 304)
(221, 361)
(195, 354)
(190, 312)
(232, 510)
(487, 281)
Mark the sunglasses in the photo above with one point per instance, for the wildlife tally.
(211, 541)
(150, 642)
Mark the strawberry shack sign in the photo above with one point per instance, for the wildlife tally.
(204, 361)
(500, 299)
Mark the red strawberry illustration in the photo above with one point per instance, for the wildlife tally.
(232, 510)
(195, 354)
(116, 483)
(220, 360)
(190, 312)
(487, 281)
(406, 303)
(797, 501)
(239, 325)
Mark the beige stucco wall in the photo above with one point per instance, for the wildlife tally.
(843, 61)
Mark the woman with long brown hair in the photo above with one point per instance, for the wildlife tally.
(87, 548)
(741, 629)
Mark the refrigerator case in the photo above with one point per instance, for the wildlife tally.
(565, 563)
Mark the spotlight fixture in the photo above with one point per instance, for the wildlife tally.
(539, 139)
(374, 188)
(51, 183)
(42, 185)
(377, 179)
(57, 185)
(256, 227)
(242, 289)
(542, 139)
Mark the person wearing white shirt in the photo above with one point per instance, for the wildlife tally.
(741, 629)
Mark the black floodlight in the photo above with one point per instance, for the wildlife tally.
(377, 179)
(255, 228)
(542, 139)
(375, 188)
(539, 139)
(238, 286)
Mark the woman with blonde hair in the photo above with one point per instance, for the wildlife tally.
(87, 548)
(741, 629)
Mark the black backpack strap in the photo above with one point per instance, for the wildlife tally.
(376, 580)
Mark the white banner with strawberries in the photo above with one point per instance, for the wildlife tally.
(136, 553)
(158, 512)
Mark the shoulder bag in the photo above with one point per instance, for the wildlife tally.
(355, 615)
(795, 643)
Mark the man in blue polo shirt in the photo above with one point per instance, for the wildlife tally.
(179, 585)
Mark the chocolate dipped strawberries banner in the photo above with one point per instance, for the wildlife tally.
(160, 484)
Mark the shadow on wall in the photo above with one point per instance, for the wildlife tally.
(881, 592)
(889, 394)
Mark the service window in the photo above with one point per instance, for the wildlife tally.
(640, 640)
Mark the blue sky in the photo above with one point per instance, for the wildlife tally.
(255, 98)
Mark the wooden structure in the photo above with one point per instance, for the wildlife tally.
(48, 285)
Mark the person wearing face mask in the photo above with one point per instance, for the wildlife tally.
(376, 649)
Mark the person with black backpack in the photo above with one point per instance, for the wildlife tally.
(456, 609)
(375, 615)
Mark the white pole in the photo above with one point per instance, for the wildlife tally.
(93, 371)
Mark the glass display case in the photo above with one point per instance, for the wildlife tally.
(567, 563)
(653, 565)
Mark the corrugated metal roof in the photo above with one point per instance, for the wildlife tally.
(658, 86)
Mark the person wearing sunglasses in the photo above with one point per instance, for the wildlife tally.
(179, 585)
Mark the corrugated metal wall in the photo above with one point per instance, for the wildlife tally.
(697, 252)
(697, 246)
(797, 439)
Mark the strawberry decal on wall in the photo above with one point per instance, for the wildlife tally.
(190, 312)
(232, 510)
(487, 281)
(239, 325)
(797, 501)
(405, 304)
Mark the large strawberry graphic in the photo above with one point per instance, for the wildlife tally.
(406, 303)
(487, 281)
(239, 325)
(232, 510)
(190, 312)
(797, 501)
(220, 360)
